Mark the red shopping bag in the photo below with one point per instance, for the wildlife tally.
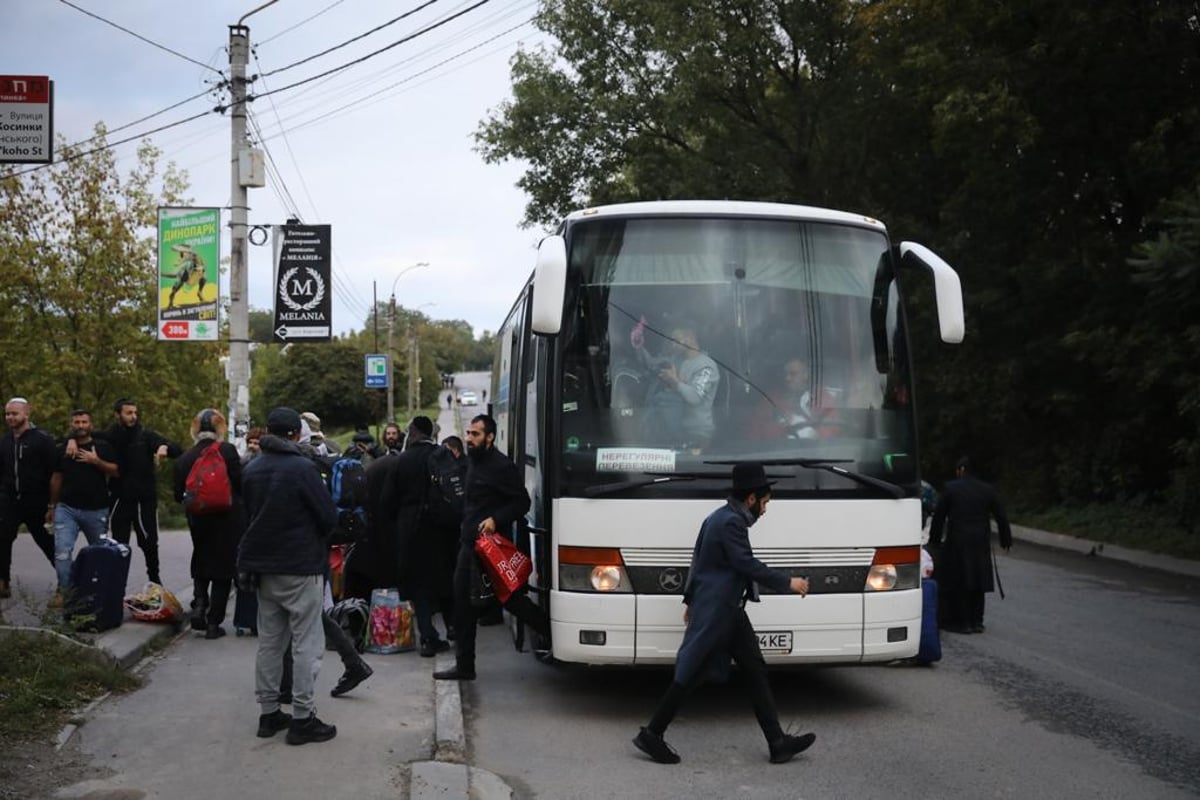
(507, 566)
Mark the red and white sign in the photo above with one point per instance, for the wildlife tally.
(26, 119)
(176, 330)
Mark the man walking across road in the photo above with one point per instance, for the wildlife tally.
(27, 458)
(289, 518)
(79, 496)
(962, 563)
(495, 499)
(723, 577)
(134, 493)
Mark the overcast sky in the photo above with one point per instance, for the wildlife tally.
(382, 151)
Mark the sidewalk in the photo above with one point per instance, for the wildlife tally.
(1059, 541)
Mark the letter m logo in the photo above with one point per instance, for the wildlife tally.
(302, 288)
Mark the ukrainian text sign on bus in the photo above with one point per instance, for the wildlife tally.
(189, 250)
(377, 372)
(26, 119)
(303, 305)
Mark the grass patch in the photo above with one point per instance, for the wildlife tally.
(1151, 529)
(48, 682)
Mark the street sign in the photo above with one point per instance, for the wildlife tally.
(293, 332)
(176, 330)
(27, 111)
(378, 372)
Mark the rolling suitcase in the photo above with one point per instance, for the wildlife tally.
(98, 578)
(245, 613)
(930, 649)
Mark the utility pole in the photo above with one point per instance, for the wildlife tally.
(412, 363)
(239, 311)
(391, 414)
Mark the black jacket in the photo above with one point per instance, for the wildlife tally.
(406, 491)
(494, 489)
(962, 561)
(26, 465)
(135, 455)
(289, 513)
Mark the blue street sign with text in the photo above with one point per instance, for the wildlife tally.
(378, 372)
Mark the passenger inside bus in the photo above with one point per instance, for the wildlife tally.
(795, 407)
(682, 384)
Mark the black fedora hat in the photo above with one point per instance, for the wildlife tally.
(748, 477)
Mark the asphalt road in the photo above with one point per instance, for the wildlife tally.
(1082, 687)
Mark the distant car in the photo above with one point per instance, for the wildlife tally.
(468, 399)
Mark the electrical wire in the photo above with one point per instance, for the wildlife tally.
(138, 36)
(371, 55)
(148, 116)
(377, 28)
(304, 21)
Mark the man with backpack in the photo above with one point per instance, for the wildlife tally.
(422, 525)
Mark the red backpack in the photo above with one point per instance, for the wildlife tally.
(207, 489)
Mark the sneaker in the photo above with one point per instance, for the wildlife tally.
(653, 745)
(214, 632)
(273, 723)
(454, 674)
(303, 731)
(789, 747)
(432, 648)
(351, 678)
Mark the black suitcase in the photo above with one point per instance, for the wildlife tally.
(98, 579)
(245, 613)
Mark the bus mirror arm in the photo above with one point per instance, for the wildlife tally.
(947, 289)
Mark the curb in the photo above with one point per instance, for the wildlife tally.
(448, 776)
(1140, 558)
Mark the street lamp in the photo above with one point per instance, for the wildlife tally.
(391, 394)
(414, 361)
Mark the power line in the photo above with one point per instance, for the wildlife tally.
(397, 43)
(304, 21)
(377, 28)
(110, 145)
(148, 116)
(138, 36)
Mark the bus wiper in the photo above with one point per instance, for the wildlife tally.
(831, 465)
(651, 479)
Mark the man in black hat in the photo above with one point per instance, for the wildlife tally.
(721, 580)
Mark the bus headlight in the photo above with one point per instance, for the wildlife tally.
(894, 568)
(592, 569)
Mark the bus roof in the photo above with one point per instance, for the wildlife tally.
(725, 208)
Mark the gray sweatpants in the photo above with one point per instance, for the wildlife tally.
(289, 608)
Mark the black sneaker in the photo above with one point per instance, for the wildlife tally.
(454, 674)
(351, 678)
(214, 632)
(653, 745)
(303, 731)
(273, 723)
(429, 649)
(789, 747)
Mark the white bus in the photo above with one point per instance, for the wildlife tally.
(785, 328)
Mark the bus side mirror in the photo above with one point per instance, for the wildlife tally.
(549, 286)
(946, 286)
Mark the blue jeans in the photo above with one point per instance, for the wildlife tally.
(68, 522)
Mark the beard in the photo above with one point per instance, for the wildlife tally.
(475, 451)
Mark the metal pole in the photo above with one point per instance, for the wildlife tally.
(239, 313)
(391, 413)
(412, 357)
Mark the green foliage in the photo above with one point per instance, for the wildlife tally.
(326, 378)
(77, 297)
(51, 679)
(1036, 146)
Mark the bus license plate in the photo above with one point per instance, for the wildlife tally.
(779, 642)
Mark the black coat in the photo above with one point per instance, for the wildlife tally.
(405, 494)
(26, 465)
(962, 559)
(215, 537)
(135, 456)
(375, 561)
(495, 489)
(724, 573)
(289, 513)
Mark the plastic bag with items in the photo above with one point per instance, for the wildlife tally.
(154, 603)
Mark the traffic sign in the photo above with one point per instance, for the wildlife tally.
(378, 371)
(175, 330)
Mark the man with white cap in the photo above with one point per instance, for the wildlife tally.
(27, 459)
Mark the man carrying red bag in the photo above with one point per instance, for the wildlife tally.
(495, 499)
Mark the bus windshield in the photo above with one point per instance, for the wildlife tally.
(693, 340)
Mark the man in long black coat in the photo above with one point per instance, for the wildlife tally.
(722, 578)
(406, 491)
(963, 557)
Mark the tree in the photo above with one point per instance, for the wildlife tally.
(326, 378)
(77, 292)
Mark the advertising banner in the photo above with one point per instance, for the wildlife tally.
(303, 304)
(189, 249)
